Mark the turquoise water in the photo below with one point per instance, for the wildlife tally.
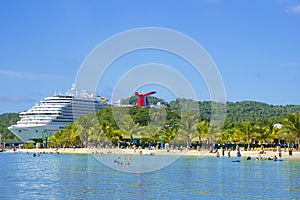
(58, 176)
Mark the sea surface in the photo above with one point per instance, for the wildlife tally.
(62, 176)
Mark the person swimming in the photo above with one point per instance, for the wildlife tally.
(270, 158)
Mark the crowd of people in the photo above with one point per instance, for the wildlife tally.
(239, 155)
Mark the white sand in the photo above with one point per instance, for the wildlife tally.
(253, 154)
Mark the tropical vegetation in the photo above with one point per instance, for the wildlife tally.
(180, 122)
(6, 120)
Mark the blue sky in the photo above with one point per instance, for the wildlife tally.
(255, 45)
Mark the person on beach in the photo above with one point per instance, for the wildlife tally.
(223, 152)
(279, 154)
(290, 152)
(229, 153)
(285, 146)
(218, 154)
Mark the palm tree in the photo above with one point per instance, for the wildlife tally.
(72, 135)
(128, 126)
(214, 132)
(266, 132)
(158, 117)
(202, 130)
(247, 130)
(291, 127)
(188, 126)
(277, 133)
(84, 125)
(168, 134)
(227, 135)
(96, 134)
(113, 135)
(150, 131)
(55, 138)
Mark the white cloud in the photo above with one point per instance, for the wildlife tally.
(26, 75)
(293, 9)
(15, 99)
(291, 64)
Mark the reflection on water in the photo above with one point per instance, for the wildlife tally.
(53, 176)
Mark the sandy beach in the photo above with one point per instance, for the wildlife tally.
(252, 154)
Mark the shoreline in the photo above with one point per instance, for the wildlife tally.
(252, 154)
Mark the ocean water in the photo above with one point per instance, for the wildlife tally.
(59, 176)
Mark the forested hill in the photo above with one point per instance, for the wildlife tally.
(236, 111)
(257, 111)
(239, 111)
(6, 120)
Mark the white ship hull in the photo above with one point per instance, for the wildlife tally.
(31, 133)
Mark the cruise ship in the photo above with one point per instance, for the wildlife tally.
(54, 113)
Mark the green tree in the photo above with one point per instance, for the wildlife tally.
(227, 135)
(151, 131)
(74, 138)
(214, 132)
(168, 133)
(140, 115)
(113, 135)
(6, 120)
(55, 139)
(96, 134)
(84, 125)
(291, 128)
(188, 127)
(266, 132)
(202, 130)
(66, 137)
(129, 127)
(248, 132)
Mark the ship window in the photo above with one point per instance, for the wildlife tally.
(19, 131)
(36, 131)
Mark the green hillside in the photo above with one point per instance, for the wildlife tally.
(6, 120)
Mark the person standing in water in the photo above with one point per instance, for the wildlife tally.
(238, 154)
